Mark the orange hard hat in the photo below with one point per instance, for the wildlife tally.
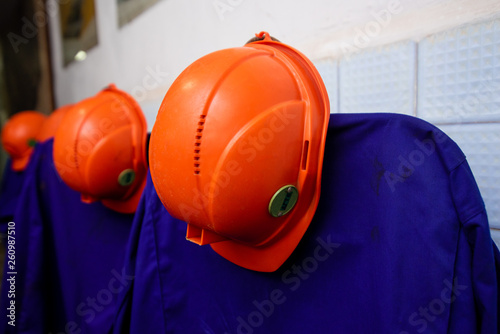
(100, 149)
(52, 122)
(237, 150)
(19, 135)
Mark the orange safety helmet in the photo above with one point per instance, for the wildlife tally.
(19, 136)
(100, 149)
(52, 122)
(237, 150)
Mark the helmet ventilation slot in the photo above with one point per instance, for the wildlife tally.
(305, 153)
(197, 144)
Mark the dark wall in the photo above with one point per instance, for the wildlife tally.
(18, 38)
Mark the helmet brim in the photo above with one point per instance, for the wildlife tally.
(271, 256)
(128, 205)
(20, 164)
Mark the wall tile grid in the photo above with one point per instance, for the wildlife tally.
(328, 69)
(379, 80)
(495, 234)
(451, 79)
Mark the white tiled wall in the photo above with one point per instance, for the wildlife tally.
(459, 74)
(451, 79)
(328, 69)
(495, 234)
(380, 79)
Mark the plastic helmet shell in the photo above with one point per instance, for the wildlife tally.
(50, 125)
(240, 133)
(19, 136)
(100, 149)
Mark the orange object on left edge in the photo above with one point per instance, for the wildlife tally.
(19, 136)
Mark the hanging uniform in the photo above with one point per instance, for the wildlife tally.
(19, 135)
(74, 216)
(68, 266)
(28, 127)
(12, 182)
(399, 243)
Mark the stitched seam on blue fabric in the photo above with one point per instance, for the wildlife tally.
(464, 159)
(483, 209)
(460, 227)
(466, 221)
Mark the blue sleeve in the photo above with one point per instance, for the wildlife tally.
(10, 190)
(143, 296)
(483, 270)
(29, 294)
